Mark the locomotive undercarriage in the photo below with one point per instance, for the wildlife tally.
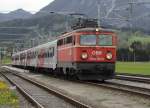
(89, 71)
(95, 71)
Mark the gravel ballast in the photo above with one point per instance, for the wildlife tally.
(99, 97)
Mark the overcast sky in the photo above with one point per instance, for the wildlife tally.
(29, 5)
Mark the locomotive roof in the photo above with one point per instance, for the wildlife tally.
(94, 29)
(88, 30)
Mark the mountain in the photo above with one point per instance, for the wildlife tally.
(49, 21)
(17, 14)
(115, 13)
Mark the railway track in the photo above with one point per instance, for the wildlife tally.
(133, 78)
(139, 91)
(24, 100)
(127, 88)
(40, 95)
(134, 90)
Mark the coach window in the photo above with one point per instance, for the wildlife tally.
(47, 54)
(28, 55)
(51, 52)
(39, 55)
(43, 55)
(34, 54)
(31, 55)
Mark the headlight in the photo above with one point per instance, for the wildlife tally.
(109, 56)
(84, 55)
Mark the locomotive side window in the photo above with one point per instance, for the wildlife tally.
(69, 40)
(88, 40)
(60, 42)
(105, 40)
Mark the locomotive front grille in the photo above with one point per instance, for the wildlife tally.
(95, 67)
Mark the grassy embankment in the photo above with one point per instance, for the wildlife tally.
(6, 60)
(8, 98)
(142, 68)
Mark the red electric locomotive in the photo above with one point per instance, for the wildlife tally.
(87, 53)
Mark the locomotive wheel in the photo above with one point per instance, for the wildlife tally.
(69, 74)
(66, 73)
(73, 74)
(55, 73)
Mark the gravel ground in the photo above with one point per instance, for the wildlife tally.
(23, 103)
(99, 97)
(43, 97)
(132, 83)
(1, 79)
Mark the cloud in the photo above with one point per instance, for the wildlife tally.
(29, 5)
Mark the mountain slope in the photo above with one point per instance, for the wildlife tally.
(116, 13)
(17, 14)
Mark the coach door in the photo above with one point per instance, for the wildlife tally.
(52, 55)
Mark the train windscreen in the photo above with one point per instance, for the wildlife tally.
(105, 40)
(88, 40)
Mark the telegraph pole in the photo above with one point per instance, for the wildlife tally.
(1, 55)
(0, 58)
(129, 19)
(2, 50)
(130, 23)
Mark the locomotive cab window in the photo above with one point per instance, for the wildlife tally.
(88, 40)
(105, 40)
